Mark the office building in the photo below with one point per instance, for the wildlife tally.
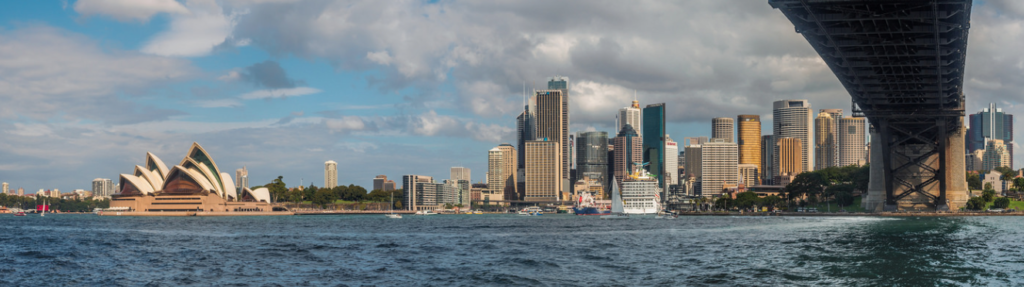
(748, 140)
(671, 162)
(851, 139)
(630, 115)
(974, 160)
(465, 195)
(508, 175)
(551, 125)
(836, 115)
(592, 157)
(767, 159)
(381, 182)
(990, 123)
(419, 195)
(721, 128)
(791, 154)
(792, 119)
(719, 168)
(241, 178)
(562, 84)
(825, 141)
(628, 151)
(654, 141)
(495, 185)
(102, 187)
(460, 173)
(688, 141)
(748, 174)
(330, 174)
(526, 130)
(692, 161)
(996, 155)
(543, 171)
(5, 188)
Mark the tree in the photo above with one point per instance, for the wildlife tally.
(974, 181)
(861, 177)
(725, 202)
(278, 190)
(747, 200)
(1018, 183)
(988, 195)
(771, 201)
(809, 184)
(323, 196)
(1001, 203)
(843, 193)
(975, 203)
(1005, 173)
(309, 192)
(988, 186)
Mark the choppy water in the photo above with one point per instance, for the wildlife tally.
(472, 250)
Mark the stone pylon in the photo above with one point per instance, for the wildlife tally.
(955, 175)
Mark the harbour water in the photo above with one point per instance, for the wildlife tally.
(474, 250)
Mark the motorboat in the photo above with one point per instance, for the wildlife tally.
(617, 208)
(666, 215)
(393, 215)
(478, 212)
(20, 213)
(426, 212)
(530, 211)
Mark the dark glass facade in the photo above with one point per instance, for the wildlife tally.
(592, 156)
(654, 140)
(989, 123)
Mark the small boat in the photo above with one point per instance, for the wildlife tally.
(393, 215)
(426, 212)
(530, 211)
(617, 208)
(666, 215)
(46, 206)
(19, 214)
(478, 212)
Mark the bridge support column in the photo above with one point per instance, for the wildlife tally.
(957, 192)
(876, 183)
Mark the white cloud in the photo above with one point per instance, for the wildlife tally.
(279, 93)
(379, 57)
(345, 124)
(193, 34)
(221, 103)
(127, 10)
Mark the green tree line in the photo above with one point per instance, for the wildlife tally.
(832, 183)
(323, 196)
(66, 205)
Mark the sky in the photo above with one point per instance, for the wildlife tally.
(88, 87)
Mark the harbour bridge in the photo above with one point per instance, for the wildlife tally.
(903, 64)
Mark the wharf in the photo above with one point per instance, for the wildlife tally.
(193, 213)
(343, 212)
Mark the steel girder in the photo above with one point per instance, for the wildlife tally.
(902, 63)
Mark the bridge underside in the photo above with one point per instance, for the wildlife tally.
(902, 63)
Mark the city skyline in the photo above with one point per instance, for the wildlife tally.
(148, 77)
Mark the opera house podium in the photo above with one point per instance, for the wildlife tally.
(194, 187)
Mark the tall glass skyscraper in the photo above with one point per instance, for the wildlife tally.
(562, 84)
(990, 124)
(592, 157)
(654, 140)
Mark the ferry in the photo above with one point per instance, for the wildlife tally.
(531, 211)
(426, 212)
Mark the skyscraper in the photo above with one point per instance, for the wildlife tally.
(460, 173)
(692, 161)
(102, 187)
(241, 178)
(543, 170)
(378, 182)
(526, 129)
(990, 123)
(792, 119)
(791, 155)
(5, 187)
(654, 140)
(767, 159)
(628, 151)
(630, 115)
(562, 84)
(996, 155)
(836, 115)
(495, 184)
(592, 156)
(551, 126)
(509, 161)
(748, 174)
(825, 141)
(419, 193)
(671, 162)
(719, 168)
(748, 135)
(330, 174)
(851, 141)
(721, 128)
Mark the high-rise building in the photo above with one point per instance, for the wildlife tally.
(748, 135)
(628, 151)
(419, 193)
(241, 178)
(330, 174)
(592, 156)
(465, 198)
(996, 155)
(543, 170)
(836, 115)
(495, 165)
(688, 141)
(851, 141)
(990, 123)
(654, 141)
(791, 155)
(692, 161)
(974, 160)
(748, 174)
(526, 129)
(562, 84)
(825, 139)
(792, 119)
(508, 173)
(21, 192)
(721, 128)
(378, 182)
(5, 187)
(389, 185)
(460, 173)
(551, 125)
(671, 162)
(767, 159)
(102, 187)
(630, 115)
(719, 169)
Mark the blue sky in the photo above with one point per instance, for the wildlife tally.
(394, 87)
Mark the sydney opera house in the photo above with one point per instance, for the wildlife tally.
(194, 187)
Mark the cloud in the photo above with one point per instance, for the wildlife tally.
(221, 103)
(195, 33)
(279, 93)
(46, 73)
(267, 74)
(128, 10)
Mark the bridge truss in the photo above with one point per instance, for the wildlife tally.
(903, 64)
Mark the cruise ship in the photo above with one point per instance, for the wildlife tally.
(640, 193)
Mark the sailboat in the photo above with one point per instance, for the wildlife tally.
(393, 214)
(46, 206)
(617, 208)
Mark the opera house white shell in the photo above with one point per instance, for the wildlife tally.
(193, 187)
